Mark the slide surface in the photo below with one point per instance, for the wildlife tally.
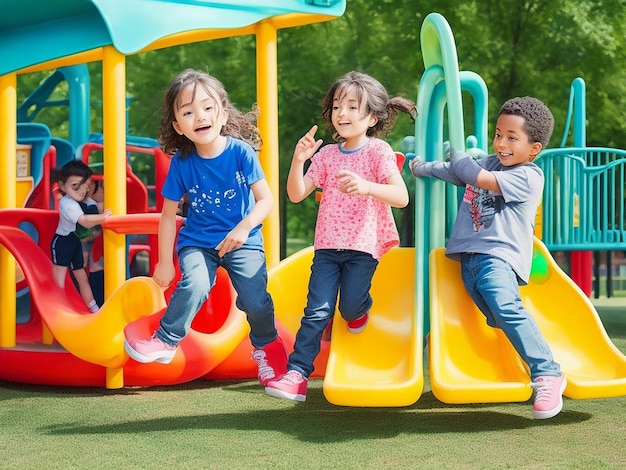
(381, 366)
(95, 338)
(473, 363)
(88, 343)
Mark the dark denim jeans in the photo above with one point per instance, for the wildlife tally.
(333, 271)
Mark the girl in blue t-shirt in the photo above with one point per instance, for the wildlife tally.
(215, 165)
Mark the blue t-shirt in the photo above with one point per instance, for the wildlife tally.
(219, 194)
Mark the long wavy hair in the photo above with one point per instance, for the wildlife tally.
(239, 125)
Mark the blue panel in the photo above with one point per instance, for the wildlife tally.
(36, 31)
(59, 37)
(65, 151)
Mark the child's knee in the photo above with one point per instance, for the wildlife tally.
(256, 306)
(351, 310)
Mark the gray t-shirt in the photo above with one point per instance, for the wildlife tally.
(500, 225)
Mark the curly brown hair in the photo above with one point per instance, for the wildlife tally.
(538, 119)
(239, 125)
(377, 102)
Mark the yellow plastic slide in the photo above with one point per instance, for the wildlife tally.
(473, 363)
(382, 365)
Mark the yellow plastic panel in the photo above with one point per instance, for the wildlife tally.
(594, 367)
(381, 366)
(472, 363)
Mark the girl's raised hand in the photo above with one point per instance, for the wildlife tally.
(307, 145)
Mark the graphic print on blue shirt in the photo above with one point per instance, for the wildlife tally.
(200, 201)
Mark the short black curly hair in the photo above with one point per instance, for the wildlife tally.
(538, 119)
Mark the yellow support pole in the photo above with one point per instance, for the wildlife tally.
(114, 378)
(267, 99)
(8, 174)
(114, 133)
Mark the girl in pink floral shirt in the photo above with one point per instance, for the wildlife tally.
(355, 225)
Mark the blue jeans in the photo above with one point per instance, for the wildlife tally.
(332, 270)
(494, 287)
(248, 273)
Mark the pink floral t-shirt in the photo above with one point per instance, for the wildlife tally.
(354, 222)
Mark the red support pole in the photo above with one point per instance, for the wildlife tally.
(581, 265)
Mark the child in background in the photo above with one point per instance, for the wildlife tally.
(493, 234)
(73, 181)
(355, 226)
(216, 165)
(92, 241)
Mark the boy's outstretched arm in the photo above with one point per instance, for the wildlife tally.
(439, 170)
(467, 169)
(91, 220)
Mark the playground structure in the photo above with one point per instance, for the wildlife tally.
(97, 31)
(468, 361)
(383, 366)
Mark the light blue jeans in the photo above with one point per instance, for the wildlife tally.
(493, 285)
(332, 270)
(248, 273)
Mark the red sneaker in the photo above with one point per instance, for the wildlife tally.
(271, 360)
(358, 325)
(548, 396)
(291, 386)
(150, 350)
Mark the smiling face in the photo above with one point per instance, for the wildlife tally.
(511, 143)
(350, 118)
(75, 187)
(200, 118)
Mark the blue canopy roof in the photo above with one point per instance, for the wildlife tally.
(36, 31)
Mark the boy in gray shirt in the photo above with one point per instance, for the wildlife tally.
(492, 236)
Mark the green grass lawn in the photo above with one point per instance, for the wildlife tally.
(234, 425)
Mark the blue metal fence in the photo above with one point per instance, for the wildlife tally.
(583, 201)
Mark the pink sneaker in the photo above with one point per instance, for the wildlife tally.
(271, 361)
(291, 386)
(358, 325)
(548, 396)
(150, 350)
